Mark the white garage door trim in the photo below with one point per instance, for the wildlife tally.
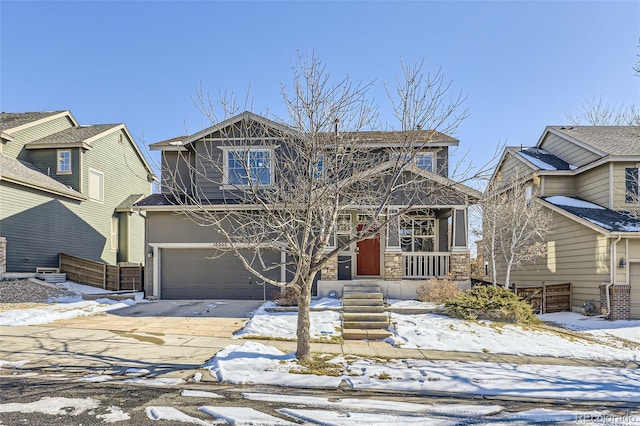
(157, 247)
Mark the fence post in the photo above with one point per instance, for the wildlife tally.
(119, 285)
(104, 276)
(544, 298)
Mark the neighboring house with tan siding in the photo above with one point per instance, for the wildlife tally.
(588, 179)
(69, 188)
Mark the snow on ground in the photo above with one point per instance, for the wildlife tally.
(439, 332)
(598, 327)
(66, 307)
(259, 364)
(325, 324)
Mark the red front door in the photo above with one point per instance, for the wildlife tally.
(368, 258)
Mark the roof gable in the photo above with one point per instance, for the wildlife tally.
(14, 121)
(601, 140)
(25, 174)
(73, 136)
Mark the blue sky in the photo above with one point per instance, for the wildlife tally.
(522, 65)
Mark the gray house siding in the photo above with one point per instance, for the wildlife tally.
(192, 273)
(46, 160)
(38, 226)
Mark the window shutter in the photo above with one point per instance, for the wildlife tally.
(631, 182)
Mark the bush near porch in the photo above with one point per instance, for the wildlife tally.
(491, 303)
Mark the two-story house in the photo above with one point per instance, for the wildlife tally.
(69, 188)
(430, 240)
(588, 180)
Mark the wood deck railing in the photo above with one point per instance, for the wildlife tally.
(425, 265)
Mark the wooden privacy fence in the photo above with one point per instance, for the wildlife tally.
(547, 298)
(102, 275)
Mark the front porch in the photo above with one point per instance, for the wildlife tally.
(402, 273)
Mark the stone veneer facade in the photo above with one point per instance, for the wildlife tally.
(392, 268)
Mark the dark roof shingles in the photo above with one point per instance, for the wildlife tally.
(10, 120)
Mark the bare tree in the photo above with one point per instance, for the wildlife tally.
(325, 164)
(515, 224)
(597, 113)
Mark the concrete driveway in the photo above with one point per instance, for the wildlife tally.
(210, 318)
(191, 309)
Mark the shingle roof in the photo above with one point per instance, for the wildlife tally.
(73, 135)
(613, 140)
(611, 220)
(25, 173)
(9, 120)
(544, 160)
(373, 137)
(172, 200)
(129, 202)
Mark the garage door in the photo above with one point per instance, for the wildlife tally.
(634, 280)
(192, 274)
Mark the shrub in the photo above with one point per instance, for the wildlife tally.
(437, 290)
(493, 303)
(288, 296)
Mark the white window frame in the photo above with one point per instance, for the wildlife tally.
(115, 233)
(59, 169)
(418, 158)
(412, 219)
(91, 191)
(227, 177)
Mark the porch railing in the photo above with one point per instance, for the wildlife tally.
(425, 265)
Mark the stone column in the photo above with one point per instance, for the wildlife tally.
(459, 266)
(330, 270)
(393, 266)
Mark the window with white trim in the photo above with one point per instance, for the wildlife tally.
(632, 188)
(96, 185)
(115, 233)
(64, 161)
(418, 234)
(249, 167)
(424, 160)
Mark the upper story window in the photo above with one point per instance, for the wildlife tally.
(632, 192)
(249, 167)
(96, 185)
(64, 161)
(424, 160)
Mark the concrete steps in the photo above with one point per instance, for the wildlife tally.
(363, 314)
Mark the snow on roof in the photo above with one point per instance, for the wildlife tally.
(560, 200)
(611, 220)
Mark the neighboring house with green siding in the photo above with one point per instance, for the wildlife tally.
(69, 188)
(587, 177)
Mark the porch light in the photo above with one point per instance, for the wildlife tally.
(150, 252)
(622, 263)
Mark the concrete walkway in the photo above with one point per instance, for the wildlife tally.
(175, 346)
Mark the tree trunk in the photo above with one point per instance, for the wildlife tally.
(303, 350)
(508, 276)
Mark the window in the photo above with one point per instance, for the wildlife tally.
(343, 230)
(418, 234)
(96, 185)
(424, 160)
(64, 161)
(249, 167)
(631, 185)
(115, 223)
